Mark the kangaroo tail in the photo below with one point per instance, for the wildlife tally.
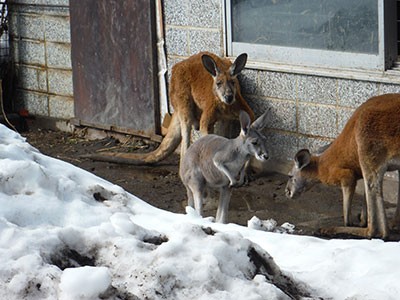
(167, 147)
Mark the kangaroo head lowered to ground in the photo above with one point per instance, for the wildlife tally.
(215, 162)
(368, 146)
(203, 89)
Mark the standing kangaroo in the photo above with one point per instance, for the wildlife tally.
(218, 163)
(204, 89)
(368, 146)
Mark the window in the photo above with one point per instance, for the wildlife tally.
(328, 33)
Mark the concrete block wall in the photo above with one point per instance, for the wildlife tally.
(307, 111)
(41, 49)
(191, 27)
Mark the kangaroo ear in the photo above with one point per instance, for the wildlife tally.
(209, 64)
(244, 122)
(238, 64)
(261, 121)
(302, 158)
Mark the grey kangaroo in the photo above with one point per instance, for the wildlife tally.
(215, 162)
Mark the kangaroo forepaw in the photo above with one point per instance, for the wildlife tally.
(234, 184)
(237, 183)
(249, 177)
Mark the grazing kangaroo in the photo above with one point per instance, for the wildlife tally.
(218, 163)
(368, 146)
(204, 89)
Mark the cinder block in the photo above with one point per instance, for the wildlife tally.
(281, 146)
(248, 82)
(58, 55)
(319, 90)
(61, 107)
(282, 114)
(205, 13)
(204, 40)
(57, 29)
(317, 120)
(353, 93)
(41, 7)
(35, 103)
(176, 12)
(42, 2)
(344, 115)
(386, 88)
(177, 41)
(277, 85)
(31, 78)
(315, 145)
(60, 82)
(28, 26)
(29, 52)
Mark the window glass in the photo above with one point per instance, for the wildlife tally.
(335, 25)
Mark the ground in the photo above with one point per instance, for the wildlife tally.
(160, 185)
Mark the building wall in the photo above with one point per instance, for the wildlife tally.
(40, 45)
(308, 107)
(307, 110)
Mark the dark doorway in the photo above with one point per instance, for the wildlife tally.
(114, 63)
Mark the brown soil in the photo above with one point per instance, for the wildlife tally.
(160, 185)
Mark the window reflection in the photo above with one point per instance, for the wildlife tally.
(336, 25)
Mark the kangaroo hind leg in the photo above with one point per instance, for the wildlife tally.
(395, 224)
(190, 197)
(197, 196)
(223, 205)
(186, 121)
(348, 194)
(377, 222)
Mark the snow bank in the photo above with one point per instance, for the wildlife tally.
(67, 234)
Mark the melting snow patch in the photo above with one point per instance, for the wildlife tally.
(84, 282)
(270, 225)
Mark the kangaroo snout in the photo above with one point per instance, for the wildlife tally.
(229, 99)
(294, 190)
(262, 156)
(289, 193)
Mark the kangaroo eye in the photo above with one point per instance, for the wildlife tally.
(219, 83)
(254, 143)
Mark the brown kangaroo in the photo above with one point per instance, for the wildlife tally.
(368, 146)
(204, 89)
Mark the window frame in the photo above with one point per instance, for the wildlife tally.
(302, 57)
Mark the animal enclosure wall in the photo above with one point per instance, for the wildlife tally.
(41, 50)
(309, 105)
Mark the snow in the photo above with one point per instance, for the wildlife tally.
(58, 242)
(84, 282)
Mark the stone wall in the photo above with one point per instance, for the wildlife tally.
(40, 45)
(308, 108)
(306, 111)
